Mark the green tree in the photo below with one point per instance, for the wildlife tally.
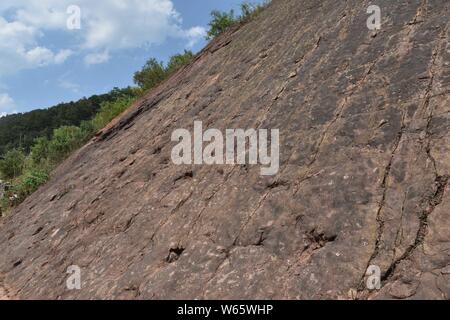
(39, 151)
(179, 60)
(30, 182)
(220, 22)
(110, 110)
(12, 164)
(64, 140)
(21, 129)
(250, 10)
(150, 75)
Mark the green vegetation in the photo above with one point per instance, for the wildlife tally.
(31, 180)
(150, 75)
(178, 61)
(108, 111)
(64, 140)
(251, 10)
(19, 130)
(12, 164)
(154, 71)
(222, 21)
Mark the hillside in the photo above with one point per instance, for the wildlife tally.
(19, 130)
(364, 127)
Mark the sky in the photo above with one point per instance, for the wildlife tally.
(54, 51)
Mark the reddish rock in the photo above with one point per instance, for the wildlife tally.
(364, 171)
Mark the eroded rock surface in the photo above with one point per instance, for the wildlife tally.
(364, 177)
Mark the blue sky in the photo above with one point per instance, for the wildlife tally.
(43, 62)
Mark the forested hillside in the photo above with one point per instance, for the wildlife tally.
(19, 130)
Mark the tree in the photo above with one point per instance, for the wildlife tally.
(220, 22)
(110, 110)
(40, 150)
(21, 129)
(150, 75)
(30, 182)
(12, 164)
(250, 10)
(64, 140)
(179, 60)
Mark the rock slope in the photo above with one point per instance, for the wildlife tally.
(364, 171)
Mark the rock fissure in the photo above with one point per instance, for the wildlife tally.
(431, 203)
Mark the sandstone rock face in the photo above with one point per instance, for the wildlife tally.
(364, 171)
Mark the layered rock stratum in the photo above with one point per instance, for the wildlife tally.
(363, 181)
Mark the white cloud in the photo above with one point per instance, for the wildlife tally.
(7, 104)
(18, 48)
(194, 35)
(62, 56)
(40, 56)
(96, 58)
(129, 24)
(64, 81)
(66, 84)
(106, 26)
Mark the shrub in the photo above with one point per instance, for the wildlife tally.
(179, 60)
(110, 110)
(12, 164)
(30, 182)
(220, 22)
(64, 140)
(150, 75)
(251, 10)
(39, 151)
(87, 130)
(154, 72)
